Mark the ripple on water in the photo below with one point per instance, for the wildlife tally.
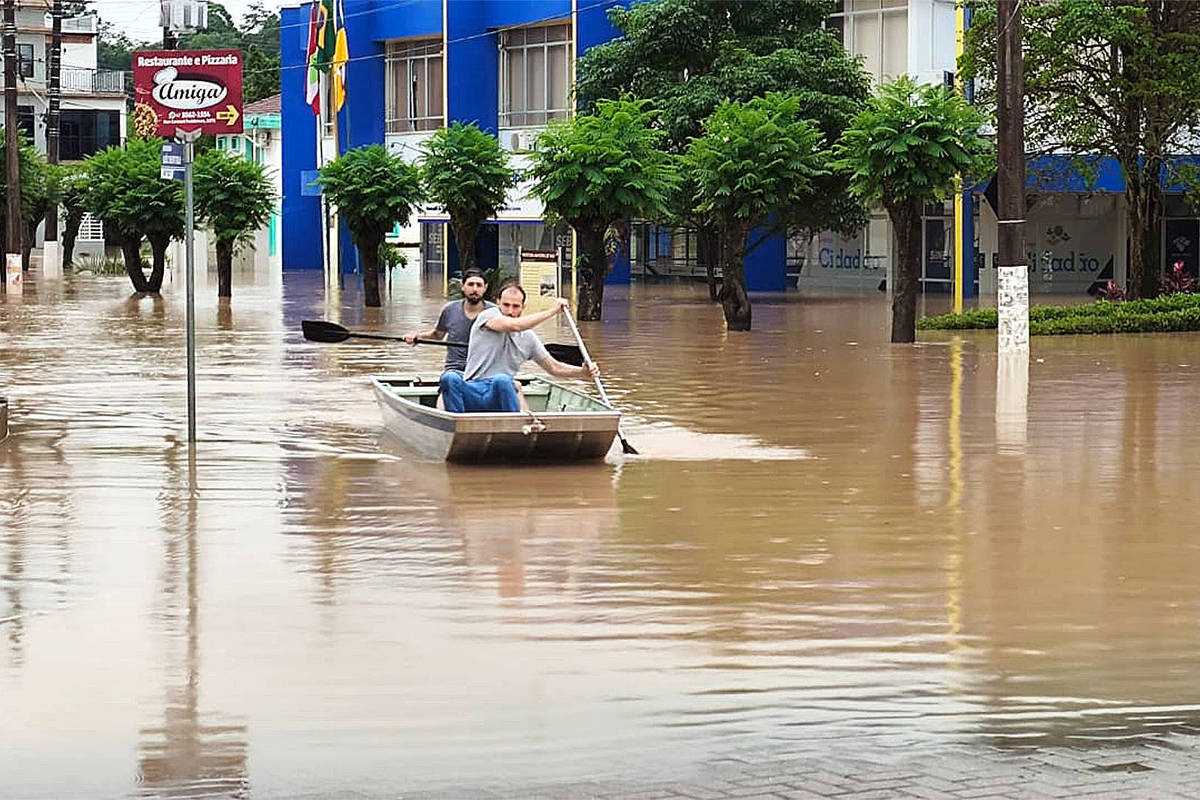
(821, 546)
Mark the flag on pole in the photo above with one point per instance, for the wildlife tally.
(326, 33)
(341, 54)
(312, 89)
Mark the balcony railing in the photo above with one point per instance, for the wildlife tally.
(93, 81)
(86, 24)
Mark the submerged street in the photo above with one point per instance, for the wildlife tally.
(830, 547)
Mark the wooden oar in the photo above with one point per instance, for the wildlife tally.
(626, 447)
(318, 330)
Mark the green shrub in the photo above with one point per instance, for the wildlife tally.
(1177, 312)
(968, 320)
(98, 265)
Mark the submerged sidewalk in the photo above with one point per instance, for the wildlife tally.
(1144, 771)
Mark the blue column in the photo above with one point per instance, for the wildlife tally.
(300, 215)
(970, 267)
(766, 265)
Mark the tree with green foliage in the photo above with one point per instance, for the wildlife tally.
(221, 33)
(38, 188)
(689, 56)
(44, 188)
(235, 198)
(114, 50)
(597, 169)
(73, 196)
(127, 194)
(905, 149)
(755, 160)
(260, 43)
(466, 171)
(372, 190)
(1107, 78)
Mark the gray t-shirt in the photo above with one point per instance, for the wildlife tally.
(457, 325)
(499, 353)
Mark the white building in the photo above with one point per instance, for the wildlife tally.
(262, 143)
(93, 100)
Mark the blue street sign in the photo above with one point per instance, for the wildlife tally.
(308, 183)
(172, 161)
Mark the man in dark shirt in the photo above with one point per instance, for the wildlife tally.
(456, 319)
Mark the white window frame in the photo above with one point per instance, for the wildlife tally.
(416, 55)
(880, 12)
(25, 65)
(514, 40)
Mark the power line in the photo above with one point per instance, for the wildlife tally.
(375, 56)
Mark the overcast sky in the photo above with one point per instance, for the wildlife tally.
(139, 18)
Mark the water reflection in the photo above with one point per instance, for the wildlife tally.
(830, 539)
(1012, 402)
(191, 753)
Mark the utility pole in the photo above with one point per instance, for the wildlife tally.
(12, 231)
(54, 117)
(1012, 261)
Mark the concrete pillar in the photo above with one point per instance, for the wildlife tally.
(12, 274)
(52, 266)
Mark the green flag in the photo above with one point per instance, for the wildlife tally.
(326, 36)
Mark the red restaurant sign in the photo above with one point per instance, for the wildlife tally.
(187, 90)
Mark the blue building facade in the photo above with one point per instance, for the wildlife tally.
(416, 65)
(508, 65)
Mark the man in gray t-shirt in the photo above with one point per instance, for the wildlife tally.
(456, 319)
(501, 341)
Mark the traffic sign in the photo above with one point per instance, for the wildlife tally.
(187, 90)
(172, 161)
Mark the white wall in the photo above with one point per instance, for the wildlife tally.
(931, 31)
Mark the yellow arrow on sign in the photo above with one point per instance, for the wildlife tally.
(230, 115)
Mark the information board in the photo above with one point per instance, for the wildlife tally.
(187, 90)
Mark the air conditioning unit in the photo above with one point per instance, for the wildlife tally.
(184, 16)
(522, 141)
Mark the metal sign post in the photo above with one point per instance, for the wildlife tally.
(187, 93)
(188, 138)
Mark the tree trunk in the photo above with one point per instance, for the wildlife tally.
(368, 251)
(131, 250)
(734, 300)
(906, 219)
(465, 229)
(591, 270)
(224, 268)
(708, 248)
(70, 233)
(30, 238)
(158, 262)
(1150, 241)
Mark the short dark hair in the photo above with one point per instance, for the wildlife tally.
(512, 285)
(474, 273)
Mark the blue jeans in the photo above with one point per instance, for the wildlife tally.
(498, 393)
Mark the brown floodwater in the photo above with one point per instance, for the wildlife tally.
(828, 542)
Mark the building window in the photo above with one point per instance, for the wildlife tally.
(25, 60)
(877, 30)
(25, 122)
(414, 86)
(535, 75)
(82, 133)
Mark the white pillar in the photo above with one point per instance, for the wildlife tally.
(12, 274)
(1012, 304)
(52, 266)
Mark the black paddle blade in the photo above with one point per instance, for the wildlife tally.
(566, 353)
(318, 330)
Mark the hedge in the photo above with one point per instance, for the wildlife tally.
(1176, 312)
